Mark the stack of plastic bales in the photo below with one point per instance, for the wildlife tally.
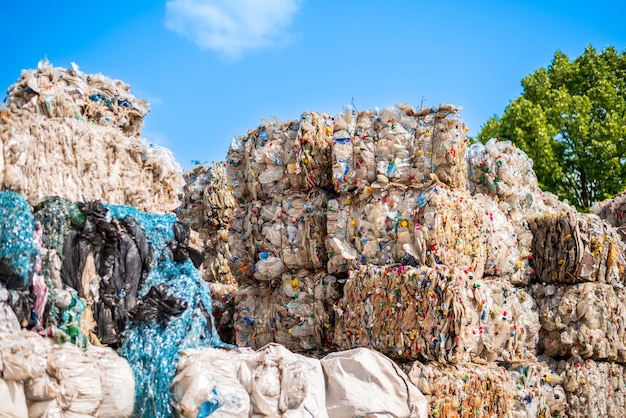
(207, 208)
(580, 271)
(280, 176)
(54, 114)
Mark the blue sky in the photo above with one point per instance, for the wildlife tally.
(214, 69)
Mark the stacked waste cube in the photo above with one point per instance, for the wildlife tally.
(207, 208)
(280, 177)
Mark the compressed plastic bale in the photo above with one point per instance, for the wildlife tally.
(483, 390)
(40, 160)
(362, 382)
(593, 388)
(435, 314)
(45, 409)
(572, 247)
(118, 383)
(279, 156)
(18, 248)
(399, 145)
(57, 92)
(585, 319)
(506, 257)
(614, 211)
(537, 389)
(42, 388)
(283, 234)
(12, 399)
(426, 226)
(207, 202)
(293, 312)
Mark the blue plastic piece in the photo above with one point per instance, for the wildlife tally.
(152, 348)
(210, 406)
(18, 248)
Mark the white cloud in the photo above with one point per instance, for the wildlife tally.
(232, 27)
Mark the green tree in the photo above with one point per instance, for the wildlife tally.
(571, 120)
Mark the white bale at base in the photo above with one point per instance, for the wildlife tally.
(363, 382)
(117, 380)
(12, 399)
(269, 382)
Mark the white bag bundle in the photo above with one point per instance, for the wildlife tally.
(362, 382)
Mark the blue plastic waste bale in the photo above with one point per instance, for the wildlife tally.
(18, 248)
(152, 348)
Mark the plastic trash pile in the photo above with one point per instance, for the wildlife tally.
(53, 114)
(378, 263)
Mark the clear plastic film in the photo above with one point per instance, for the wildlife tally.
(436, 314)
(40, 160)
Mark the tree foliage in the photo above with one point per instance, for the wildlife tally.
(571, 120)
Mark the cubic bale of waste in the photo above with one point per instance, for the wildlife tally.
(293, 312)
(504, 173)
(207, 203)
(117, 381)
(586, 320)
(40, 160)
(538, 389)
(401, 145)
(363, 382)
(426, 226)
(614, 211)
(283, 234)
(56, 92)
(499, 168)
(571, 247)
(592, 388)
(276, 157)
(437, 314)
(460, 390)
(269, 382)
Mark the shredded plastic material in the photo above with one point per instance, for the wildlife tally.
(18, 249)
(436, 314)
(152, 348)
